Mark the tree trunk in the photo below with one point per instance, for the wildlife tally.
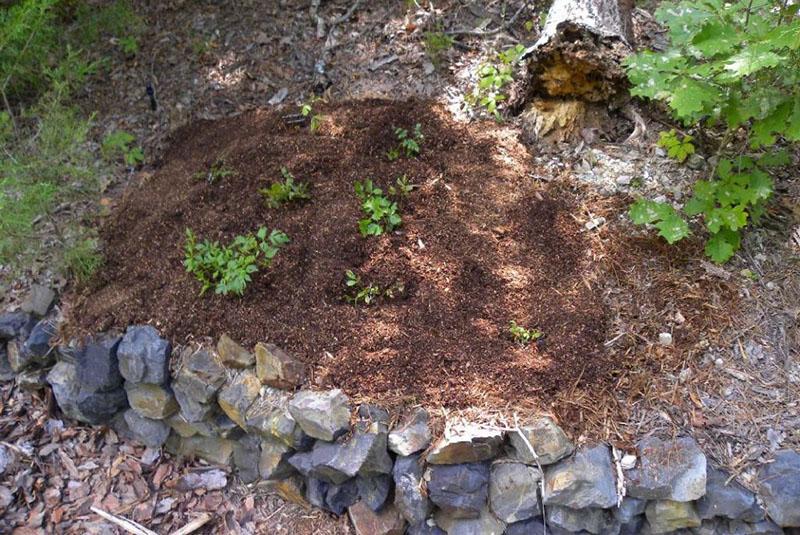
(575, 62)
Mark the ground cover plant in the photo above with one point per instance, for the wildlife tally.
(493, 79)
(382, 213)
(731, 68)
(216, 172)
(288, 191)
(523, 336)
(408, 143)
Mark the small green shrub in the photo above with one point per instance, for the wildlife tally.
(493, 79)
(523, 336)
(119, 144)
(82, 259)
(314, 118)
(285, 192)
(228, 268)
(129, 45)
(382, 213)
(357, 291)
(401, 188)
(436, 45)
(679, 149)
(408, 144)
(218, 170)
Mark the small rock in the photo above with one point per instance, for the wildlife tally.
(629, 509)
(765, 527)
(484, 524)
(32, 380)
(151, 401)
(408, 496)
(279, 96)
(339, 497)
(696, 162)
(15, 324)
(369, 414)
(665, 339)
(201, 376)
(100, 407)
(274, 367)
(39, 300)
(210, 480)
(186, 429)
(548, 441)
(428, 527)
(779, 485)
(246, 458)
(269, 418)
(466, 443)
(97, 365)
(727, 499)
(212, 449)
(322, 415)
(513, 491)
(374, 490)
(237, 396)
(36, 350)
(368, 522)
(144, 356)
(225, 427)
(589, 519)
(412, 435)
(6, 497)
(460, 490)
(532, 526)
(668, 470)
(151, 433)
(665, 516)
(363, 453)
(191, 409)
(7, 458)
(587, 479)
(6, 373)
(274, 460)
(232, 354)
(63, 379)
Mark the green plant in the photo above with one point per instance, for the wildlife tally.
(129, 45)
(284, 192)
(677, 148)
(228, 268)
(381, 212)
(523, 336)
(218, 170)
(436, 44)
(358, 292)
(119, 143)
(82, 259)
(734, 67)
(408, 144)
(307, 110)
(401, 188)
(493, 78)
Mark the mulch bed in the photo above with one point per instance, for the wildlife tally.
(481, 244)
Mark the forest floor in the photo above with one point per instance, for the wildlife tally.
(730, 377)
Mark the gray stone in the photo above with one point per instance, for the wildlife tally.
(274, 367)
(532, 526)
(374, 490)
(668, 470)
(225, 427)
(665, 516)
(212, 449)
(424, 528)
(269, 418)
(98, 368)
(200, 376)
(408, 496)
(232, 354)
(151, 401)
(339, 497)
(151, 433)
(634, 527)
(15, 324)
(727, 499)
(191, 409)
(274, 460)
(39, 300)
(369, 413)
(32, 379)
(460, 490)
(584, 480)
(237, 396)
(185, 428)
(590, 520)
(412, 435)
(549, 442)
(246, 458)
(6, 373)
(144, 356)
(764, 527)
(63, 379)
(100, 407)
(779, 485)
(629, 509)
(368, 522)
(363, 453)
(484, 523)
(208, 480)
(513, 491)
(323, 415)
(316, 489)
(36, 350)
(466, 443)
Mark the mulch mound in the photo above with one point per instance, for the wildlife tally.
(481, 244)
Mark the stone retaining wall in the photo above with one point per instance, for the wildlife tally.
(243, 409)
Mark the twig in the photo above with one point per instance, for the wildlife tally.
(128, 525)
(194, 525)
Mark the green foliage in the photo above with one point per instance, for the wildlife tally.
(129, 45)
(401, 188)
(357, 291)
(523, 336)
(677, 148)
(381, 212)
(493, 78)
(216, 172)
(27, 38)
(314, 118)
(119, 144)
(671, 226)
(285, 192)
(116, 19)
(736, 66)
(228, 268)
(408, 144)
(436, 45)
(82, 259)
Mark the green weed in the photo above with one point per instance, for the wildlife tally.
(285, 192)
(382, 213)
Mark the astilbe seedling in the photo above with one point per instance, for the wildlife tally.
(228, 268)
(493, 77)
(357, 291)
(218, 170)
(679, 149)
(382, 213)
(409, 144)
(285, 192)
(523, 336)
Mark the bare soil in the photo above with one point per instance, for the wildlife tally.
(481, 244)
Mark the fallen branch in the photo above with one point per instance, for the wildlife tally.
(194, 525)
(128, 525)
